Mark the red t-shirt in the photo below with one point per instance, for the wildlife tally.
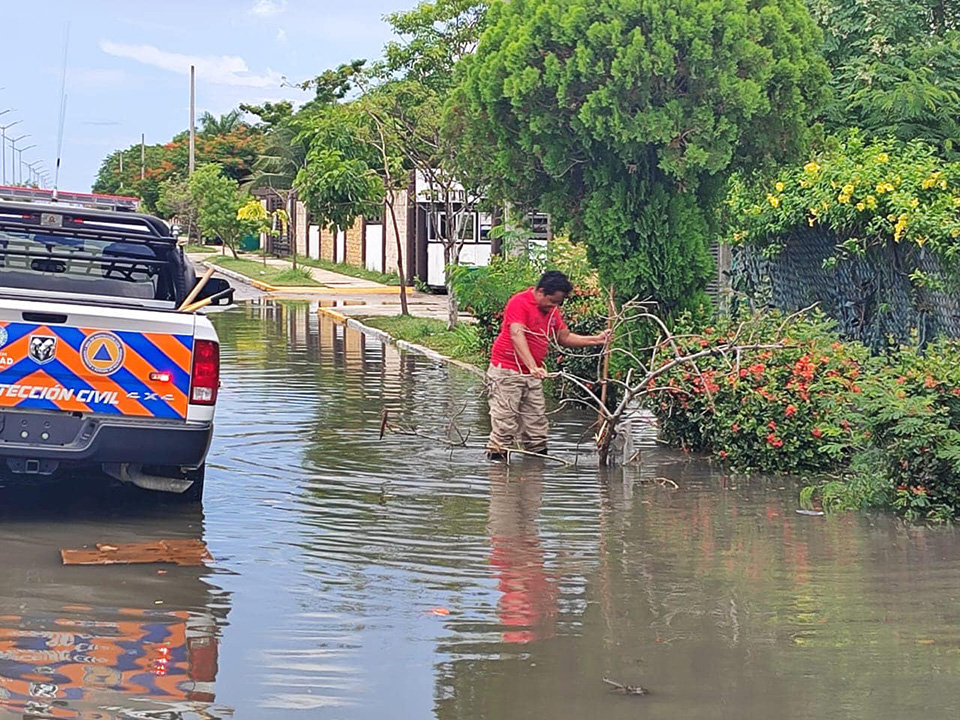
(541, 329)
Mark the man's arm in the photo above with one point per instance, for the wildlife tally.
(518, 336)
(572, 340)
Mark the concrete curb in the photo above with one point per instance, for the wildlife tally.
(401, 344)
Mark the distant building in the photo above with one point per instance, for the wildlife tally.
(371, 241)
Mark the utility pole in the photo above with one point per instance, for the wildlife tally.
(121, 169)
(142, 158)
(193, 128)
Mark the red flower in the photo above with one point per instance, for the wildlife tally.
(855, 388)
(790, 411)
(817, 432)
(901, 380)
(722, 453)
(774, 440)
(929, 382)
(743, 372)
(901, 488)
(735, 428)
(920, 490)
(772, 425)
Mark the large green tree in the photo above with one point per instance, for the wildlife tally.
(217, 199)
(622, 117)
(896, 68)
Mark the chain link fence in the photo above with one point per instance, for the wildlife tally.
(872, 297)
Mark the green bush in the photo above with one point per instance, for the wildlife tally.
(909, 457)
(771, 410)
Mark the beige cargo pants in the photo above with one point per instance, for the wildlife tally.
(518, 411)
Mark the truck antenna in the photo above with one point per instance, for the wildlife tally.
(63, 111)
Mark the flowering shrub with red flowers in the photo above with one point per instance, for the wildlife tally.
(774, 409)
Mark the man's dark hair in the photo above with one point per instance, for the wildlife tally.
(554, 281)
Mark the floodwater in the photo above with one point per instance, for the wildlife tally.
(359, 577)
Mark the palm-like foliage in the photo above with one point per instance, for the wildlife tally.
(212, 125)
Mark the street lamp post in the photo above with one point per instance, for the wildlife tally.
(3, 142)
(32, 167)
(20, 162)
(13, 156)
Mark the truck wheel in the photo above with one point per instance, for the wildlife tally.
(195, 492)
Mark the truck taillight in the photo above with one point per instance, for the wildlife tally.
(205, 379)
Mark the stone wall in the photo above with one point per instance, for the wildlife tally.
(327, 238)
(391, 239)
(302, 228)
(355, 242)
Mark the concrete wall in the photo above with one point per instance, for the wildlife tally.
(373, 237)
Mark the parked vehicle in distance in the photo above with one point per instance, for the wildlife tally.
(100, 366)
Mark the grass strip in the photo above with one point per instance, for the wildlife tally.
(352, 271)
(462, 343)
(266, 273)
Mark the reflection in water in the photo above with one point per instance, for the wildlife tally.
(334, 549)
(528, 605)
(102, 642)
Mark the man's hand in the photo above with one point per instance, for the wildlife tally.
(604, 337)
(539, 373)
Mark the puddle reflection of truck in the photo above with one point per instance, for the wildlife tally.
(105, 642)
(102, 365)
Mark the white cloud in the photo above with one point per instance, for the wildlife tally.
(268, 8)
(219, 70)
(281, 36)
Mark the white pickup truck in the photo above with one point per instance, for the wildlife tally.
(101, 368)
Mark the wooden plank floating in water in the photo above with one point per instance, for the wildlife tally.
(177, 552)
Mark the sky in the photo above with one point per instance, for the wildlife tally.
(128, 66)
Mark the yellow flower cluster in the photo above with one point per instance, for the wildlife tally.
(845, 193)
(934, 179)
(900, 227)
(883, 157)
(779, 186)
(811, 168)
(883, 187)
(773, 200)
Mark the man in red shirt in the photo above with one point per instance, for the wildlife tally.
(531, 321)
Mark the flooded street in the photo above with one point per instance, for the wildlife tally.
(355, 577)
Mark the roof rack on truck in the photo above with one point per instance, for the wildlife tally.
(18, 193)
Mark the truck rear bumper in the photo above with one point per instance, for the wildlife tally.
(72, 440)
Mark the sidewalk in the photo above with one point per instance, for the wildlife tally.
(350, 295)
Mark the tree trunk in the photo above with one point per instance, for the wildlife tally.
(452, 309)
(400, 269)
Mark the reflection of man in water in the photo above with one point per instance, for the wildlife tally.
(528, 604)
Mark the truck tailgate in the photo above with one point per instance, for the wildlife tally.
(90, 359)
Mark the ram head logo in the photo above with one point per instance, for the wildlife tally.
(42, 348)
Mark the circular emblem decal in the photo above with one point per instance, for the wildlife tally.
(102, 353)
(3, 335)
